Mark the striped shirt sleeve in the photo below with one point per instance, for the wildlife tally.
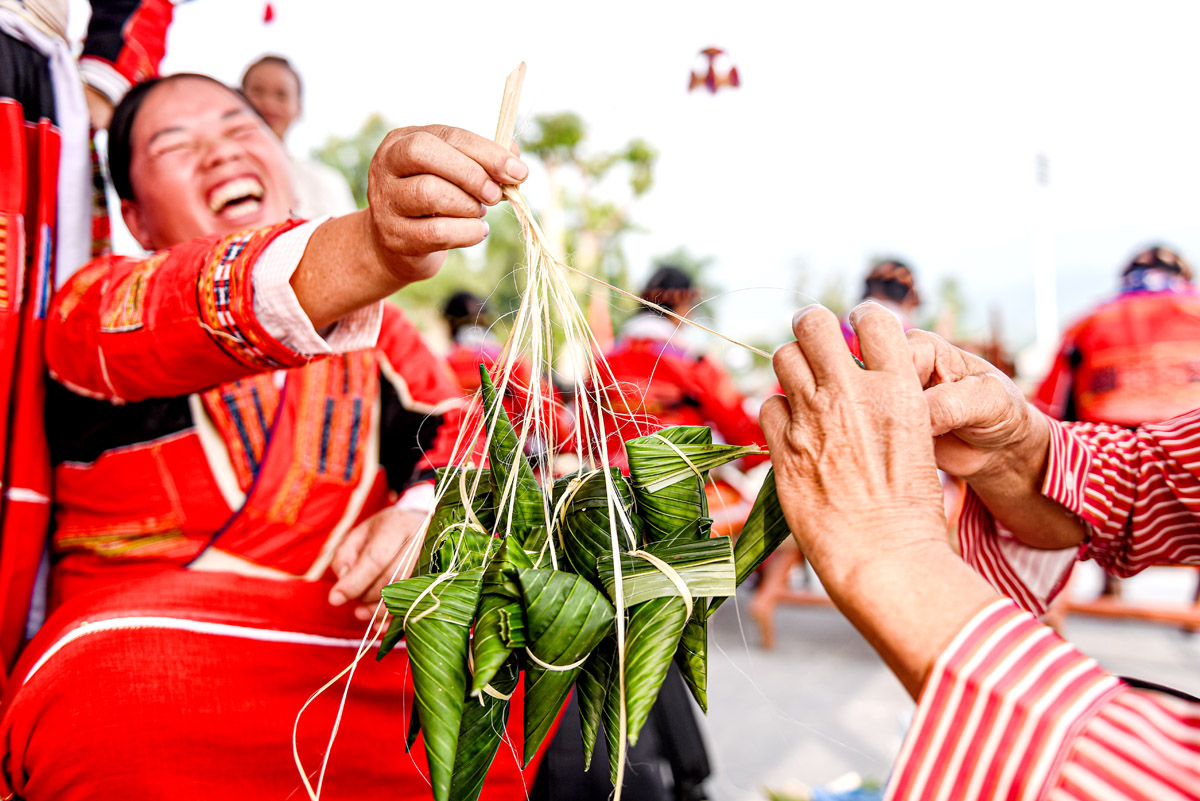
(1012, 711)
(1137, 490)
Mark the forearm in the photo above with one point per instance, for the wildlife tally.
(342, 270)
(909, 604)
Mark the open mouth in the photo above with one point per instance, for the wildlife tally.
(240, 197)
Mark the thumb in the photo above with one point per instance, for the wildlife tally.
(968, 403)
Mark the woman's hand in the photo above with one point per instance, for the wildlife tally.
(428, 190)
(854, 466)
(378, 551)
(851, 447)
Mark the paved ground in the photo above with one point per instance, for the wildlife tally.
(822, 704)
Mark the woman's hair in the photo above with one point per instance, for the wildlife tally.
(279, 61)
(670, 287)
(892, 280)
(120, 129)
(464, 309)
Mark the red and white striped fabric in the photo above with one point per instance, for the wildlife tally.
(1138, 490)
(1012, 711)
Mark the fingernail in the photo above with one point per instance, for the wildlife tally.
(491, 192)
(337, 598)
(800, 313)
(487, 229)
(516, 169)
(341, 570)
(362, 613)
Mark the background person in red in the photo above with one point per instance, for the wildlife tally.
(472, 345)
(1134, 359)
(660, 379)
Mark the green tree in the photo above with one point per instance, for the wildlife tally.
(352, 157)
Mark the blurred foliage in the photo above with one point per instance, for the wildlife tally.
(352, 157)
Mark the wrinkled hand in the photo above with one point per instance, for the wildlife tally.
(852, 448)
(982, 422)
(371, 557)
(428, 188)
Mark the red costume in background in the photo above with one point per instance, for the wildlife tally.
(205, 473)
(471, 349)
(46, 232)
(660, 383)
(1134, 360)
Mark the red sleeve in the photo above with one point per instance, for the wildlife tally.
(1138, 491)
(1012, 711)
(722, 404)
(125, 43)
(177, 322)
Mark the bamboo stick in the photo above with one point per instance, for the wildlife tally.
(507, 124)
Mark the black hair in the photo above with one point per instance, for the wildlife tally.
(670, 287)
(1159, 257)
(893, 280)
(464, 309)
(279, 61)
(120, 128)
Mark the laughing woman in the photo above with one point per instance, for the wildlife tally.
(242, 435)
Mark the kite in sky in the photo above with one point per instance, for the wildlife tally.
(712, 80)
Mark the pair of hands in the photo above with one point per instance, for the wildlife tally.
(855, 452)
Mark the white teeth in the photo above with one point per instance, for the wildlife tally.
(232, 190)
(241, 208)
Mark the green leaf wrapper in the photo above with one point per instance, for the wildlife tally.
(651, 637)
(592, 687)
(450, 519)
(566, 618)
(706, 567)
(692, 654)
(500, 625)
(437, 625)
(525, 516)
(586, 533)
(479, 735)
(669, 492)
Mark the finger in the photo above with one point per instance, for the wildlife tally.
(820, 337)
(922, 348)
(880, 339)
(792, 370)
(973, 402)
(774, 418)
(423, 235)
(421, 151)
(479, 166)
(498, 161)
(344, 559)
(375, 558)
(431, 195)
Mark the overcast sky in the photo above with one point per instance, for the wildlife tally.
(860, 128)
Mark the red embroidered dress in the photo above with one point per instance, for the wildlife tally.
(204, 474)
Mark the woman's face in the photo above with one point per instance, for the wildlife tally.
(274, 91)
(202, 163)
